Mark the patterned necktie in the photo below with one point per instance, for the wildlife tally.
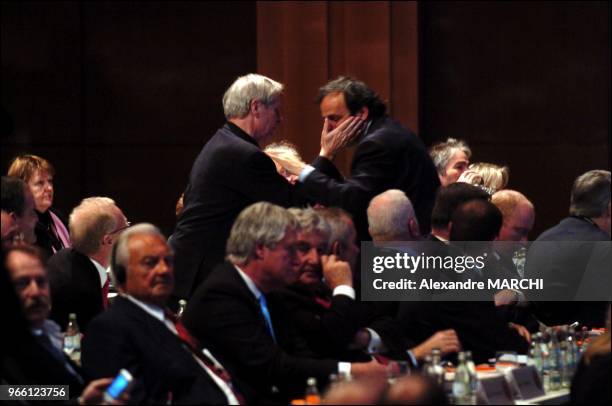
(105, 289)
(266, 313)
(194, 346)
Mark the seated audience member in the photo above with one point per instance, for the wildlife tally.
(37, 357)
(138, 332)
(479, 327)
(51, 233)
(322, 301)
(18, 216)
(236, 314)
(79, 282)
(451, 159)
(564, 258)
(591, 382)
(391, 218)
(490, 177)
(283, 149)
(447, 200)
(518, 218)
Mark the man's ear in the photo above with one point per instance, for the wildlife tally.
(107, 239)
(364, 113)
(413, 227)
(254, 107)
(259, 251)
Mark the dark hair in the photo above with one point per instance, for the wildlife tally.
(590, 194)
(356, 95)
(13, 197)
(476, 220)
(450, 197)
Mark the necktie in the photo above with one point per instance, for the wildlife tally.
(105, 289)
(266, 313)
(194, 346)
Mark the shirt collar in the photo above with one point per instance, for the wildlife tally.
(249, 282)
(101, 271)
(241, 133)
(152, 309)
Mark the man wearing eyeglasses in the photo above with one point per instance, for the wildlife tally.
(78, 275)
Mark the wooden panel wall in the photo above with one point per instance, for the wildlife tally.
(304, 44)
(527, 85)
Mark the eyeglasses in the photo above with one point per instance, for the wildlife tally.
(127, 224)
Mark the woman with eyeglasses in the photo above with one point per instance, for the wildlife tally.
(51, 232)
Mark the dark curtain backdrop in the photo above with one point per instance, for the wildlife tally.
(121, 96)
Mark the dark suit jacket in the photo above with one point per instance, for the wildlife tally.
(562, 261)
(388, 157)
(224, 314)
(75, 288)
(126, 336)
(230, 174)
(330, 330)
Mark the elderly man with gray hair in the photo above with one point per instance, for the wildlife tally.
(451, 159)
(79, 281)
(237, 312)
(564, 265)
(230, 173)
(391, 217)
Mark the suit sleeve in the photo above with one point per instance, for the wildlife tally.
(234, 329)
(106, 351)
(372, 172)
(261, 182)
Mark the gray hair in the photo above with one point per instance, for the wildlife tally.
(590, 194)
(441, 153)
(261, 223)
(341, 225)
(90, 221)
(389, 213)
(310, 220)
(237, 99)
(121, 255)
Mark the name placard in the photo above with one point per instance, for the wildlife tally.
(528, 382)
(496, 390)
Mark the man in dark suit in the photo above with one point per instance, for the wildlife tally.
(562, 254)
(139, 334)
(234, 312)
(388, 156)
(230, 173)
(79, 282)
(35, 356)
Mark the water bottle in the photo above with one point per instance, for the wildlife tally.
(474, 382)
(72, 339)
(555, 361)
(462, 386)
(437, 372)
(312, 395)
(535, 352)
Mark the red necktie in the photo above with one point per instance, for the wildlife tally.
(105, 289)
(194, 345)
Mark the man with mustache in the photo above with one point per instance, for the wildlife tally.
(140, 334)
(39, 360)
